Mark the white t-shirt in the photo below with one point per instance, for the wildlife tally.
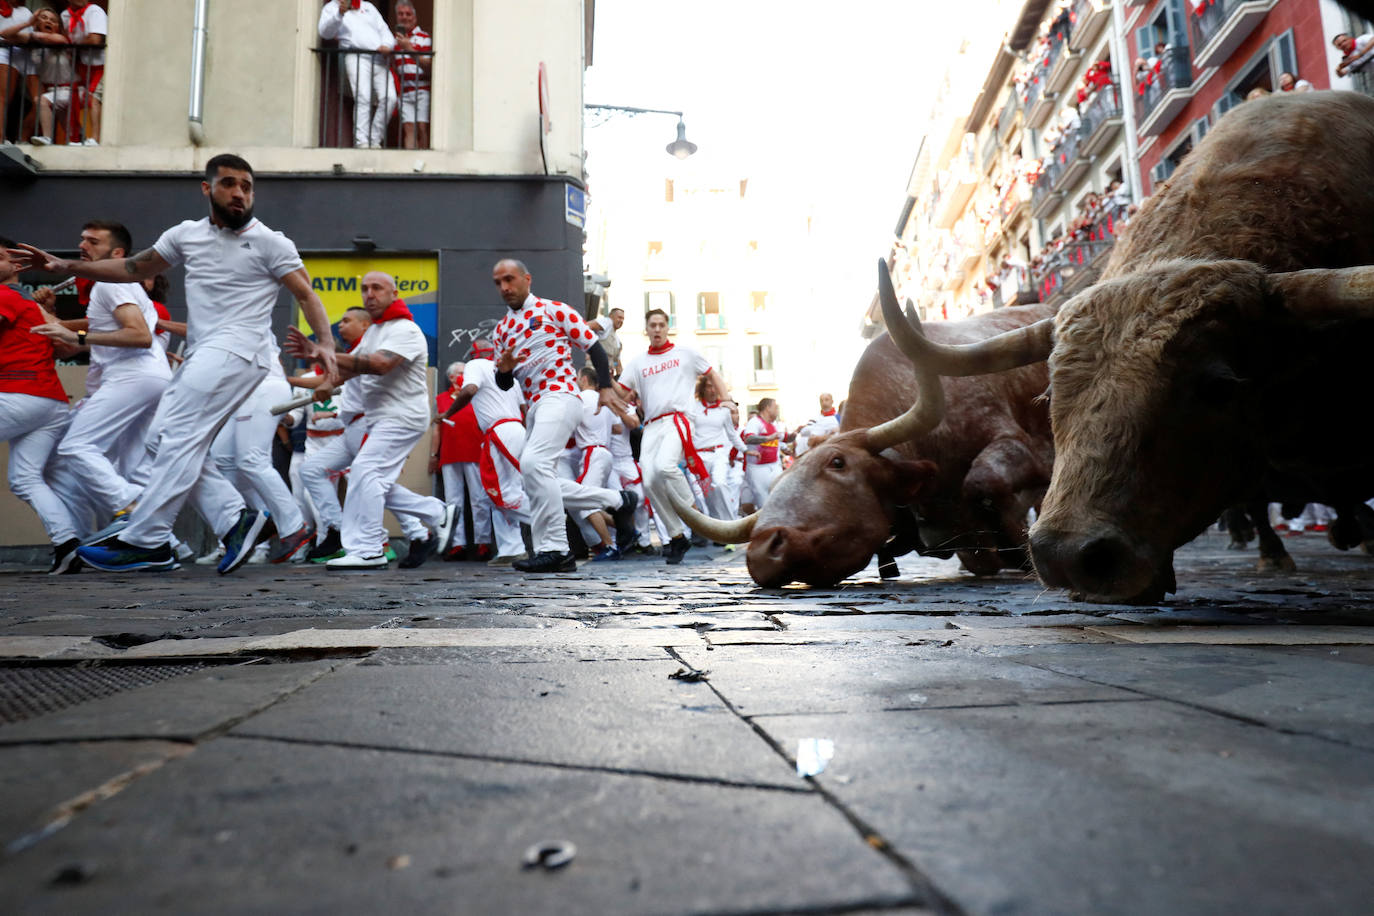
(120, 362)
(665, 382)
(712, 427)
(621, 448)
(755, 428)
(20, 15)
(595, 428)
(403, 393)
(821, 427)
(93, 22)
(232, 282)
(362, 29)
(490, 403)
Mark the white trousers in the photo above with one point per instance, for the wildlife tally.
(505, 522)
(372, 489)
(243, 454)
(374, 97)
(630, 479)
(718, 503)
(94, 445)
(205, 392)
(759, 479)
(325, 457)
(550, 423)
(466, 476)
(33, 426)
(660, 452)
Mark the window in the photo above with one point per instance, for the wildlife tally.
(655, 250)
(662, 299)
(668, 190)
(1260, 72)
(763, 365)
(715, 355)
(1174, 157)
(709, 317)
(758, 299)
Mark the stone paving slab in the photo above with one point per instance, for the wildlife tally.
(627, 716)
(305, 829)
(182, 708)
(760, 681)
(1249, 635)
(1124, 808)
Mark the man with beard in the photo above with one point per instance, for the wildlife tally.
(234, 266)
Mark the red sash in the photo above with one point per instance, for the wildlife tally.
(486, 466)
(587, 461)
(689, 451)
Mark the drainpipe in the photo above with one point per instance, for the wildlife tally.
(195, 119)
(1125, 79)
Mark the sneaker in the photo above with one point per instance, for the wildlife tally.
(388, 552)
(502, 559)
(183, 551)
(40, 140)
(104, 534)
(90, 141)
(328, 549)
(351, 563)
(113, 555)
(64, 558)
(484, 553)
(211, 559)
(443, 535)
(625, 518)
(288, 546)
(676, 549)
(420, 551)
(606, 553)
(643, 550)
(455, 553)
(259, 555)
(241, 539)
(548, 561)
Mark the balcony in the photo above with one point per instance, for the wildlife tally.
(350, 119)
(1044, 199)
(1062, 61)
(990, 148)
(1069, 157)
(1164, 92)
(1089, 18)
(1219, 27)
(1101, 120)
(1014, 200)
(955, 190)
(1040, 112)
(1007, 118)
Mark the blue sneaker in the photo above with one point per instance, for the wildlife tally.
(113, 555)
(241, 539)
(607, 553)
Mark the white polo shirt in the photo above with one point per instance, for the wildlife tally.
(491, 404)
(401, 394)
(93, 22)
(362, 29)
(665, 382)
(232, 282)
(120, 362)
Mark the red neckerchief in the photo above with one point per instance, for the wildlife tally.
(83, 290)
(357, 5)
(828, 413)
(483, 353)
(710, 406)
(76, 18)
(6, 11)
(664, 349)
(352, 346)
(396, 309)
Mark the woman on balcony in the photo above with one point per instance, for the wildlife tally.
(52, 75)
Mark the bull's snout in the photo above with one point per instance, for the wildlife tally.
(1103, 564)
(770, 557)
(779, 555)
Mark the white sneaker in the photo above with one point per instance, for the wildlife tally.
(259, 554)
(90, 141)
(349, 562)
(40, 140)
(211, 559)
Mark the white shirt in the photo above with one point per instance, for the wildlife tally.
(362, 29)
(491, 404)
(543, 331)
(621, 449)
(121, 362)
(821, 427)
(712, 427)
(20, 14)
(595, 428)
(403, 393)
(232, 282)
(93, 22)
(665, 382)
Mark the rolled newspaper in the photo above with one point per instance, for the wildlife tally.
(288, 406)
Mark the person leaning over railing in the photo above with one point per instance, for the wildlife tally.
(86, 24)
(52, 74)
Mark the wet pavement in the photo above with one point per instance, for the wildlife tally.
(291, 740)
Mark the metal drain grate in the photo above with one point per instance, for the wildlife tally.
(29, 691)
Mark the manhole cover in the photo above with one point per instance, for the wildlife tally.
(28, 691)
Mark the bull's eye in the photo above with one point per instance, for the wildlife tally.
(837, 462)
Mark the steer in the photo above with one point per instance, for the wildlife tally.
(969, 474)
(1227, 339)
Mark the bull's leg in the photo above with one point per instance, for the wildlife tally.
(1346, 531)
(1004, 480)
(1273, 557)
(1237, 522)
(887, 566)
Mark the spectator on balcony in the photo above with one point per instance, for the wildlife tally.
(13, 59)
(86, 24)
(1258, 92)
(1357, 52)
(51, 69)
(412, 75)
(1289, 82)
(363, 37)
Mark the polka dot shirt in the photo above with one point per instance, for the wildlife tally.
(543, 333)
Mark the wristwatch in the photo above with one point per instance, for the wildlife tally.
(81, 338)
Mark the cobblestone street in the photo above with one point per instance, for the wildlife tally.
(286, 739)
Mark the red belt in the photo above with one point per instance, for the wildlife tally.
(689, 451)
(587, 460)
(321, 433)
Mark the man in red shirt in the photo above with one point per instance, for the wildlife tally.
(33, 412)
(457, 452)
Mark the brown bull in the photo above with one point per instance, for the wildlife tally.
(970, 474)
(1226, 339)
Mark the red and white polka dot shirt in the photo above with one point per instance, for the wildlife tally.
(543, 333)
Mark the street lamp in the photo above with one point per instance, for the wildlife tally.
(680, 148)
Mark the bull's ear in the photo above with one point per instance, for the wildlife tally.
(1326, 295)
(909, 478)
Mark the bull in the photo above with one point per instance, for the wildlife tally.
(957, 481)
(1225, 341)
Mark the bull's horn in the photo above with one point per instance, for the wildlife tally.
(1328, 294)
(737, 531)
(929, 409)
(1020, 347)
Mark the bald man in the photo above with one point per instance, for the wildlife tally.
(390, 363)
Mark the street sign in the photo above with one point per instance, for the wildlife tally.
(575, 210)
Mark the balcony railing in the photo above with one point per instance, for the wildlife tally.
(1208, 18)
(1008, 115)
(1104, 106)
(365, 103)
(1077, 263)
(1218, 27)
(1089, 17)
(1174, 71)
(59, 101)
